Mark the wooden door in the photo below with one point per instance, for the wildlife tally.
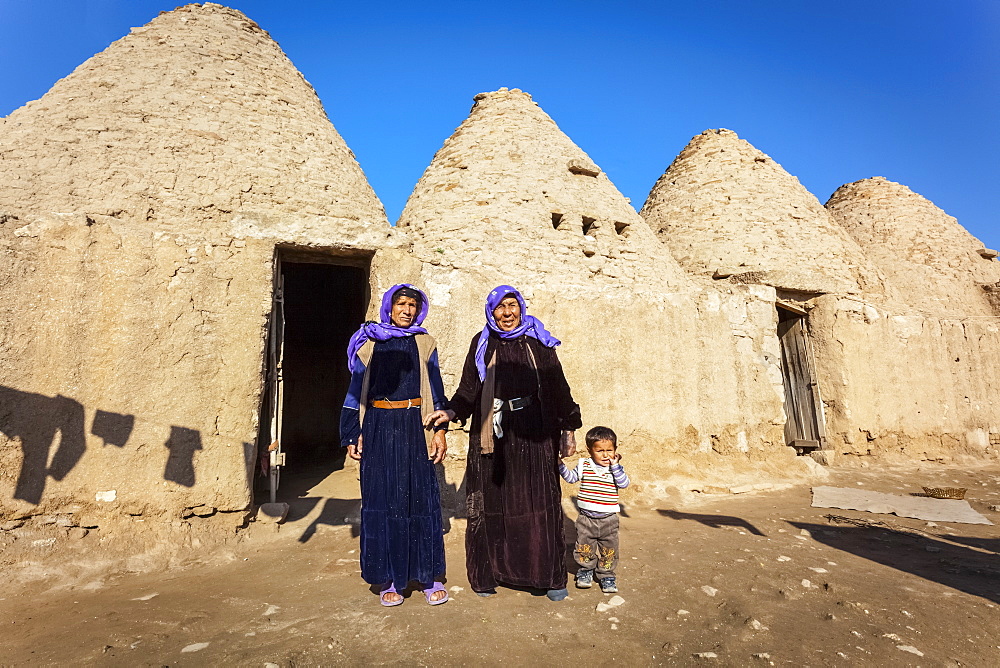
(804, 428)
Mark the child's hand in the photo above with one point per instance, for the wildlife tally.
(616, 459)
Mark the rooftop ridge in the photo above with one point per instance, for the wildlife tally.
(724, 207)
(192, 120)
(934, 262)
(508, 184)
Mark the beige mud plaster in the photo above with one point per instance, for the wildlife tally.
(934, 264)
(510, 199)
(725, 208)
(142, 198)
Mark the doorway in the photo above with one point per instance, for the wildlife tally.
(319, 301)
(804, 428)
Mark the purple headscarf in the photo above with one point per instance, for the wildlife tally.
(385, 330)
(530, 325)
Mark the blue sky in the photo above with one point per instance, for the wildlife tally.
(834, 91)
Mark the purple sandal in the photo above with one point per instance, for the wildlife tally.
(436, 588)
(388, 589)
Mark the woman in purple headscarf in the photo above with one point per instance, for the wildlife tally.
(395, 384)
(522, 413)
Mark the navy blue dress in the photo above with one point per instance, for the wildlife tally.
(401, 534)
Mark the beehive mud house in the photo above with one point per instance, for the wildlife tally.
(182, 227)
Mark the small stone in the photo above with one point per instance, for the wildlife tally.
(11, 525)
(705, 655)
(805, 532)
(764, 656)
(681, 613)
(909, 648)
(818, 570)
(584, 167)
(807, 584)
(76, 533)
(932, 524)
(741, 489)
(195, 647)
(274, 665)
(756, 625)
(711, 591)
(784, 558)
(830, 617)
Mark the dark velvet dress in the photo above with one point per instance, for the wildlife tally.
(515, 530)
(401, 533)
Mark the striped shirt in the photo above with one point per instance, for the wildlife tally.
(599, 486)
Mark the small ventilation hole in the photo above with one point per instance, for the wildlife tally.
(556, 219)
(620, 228)
(588, 223)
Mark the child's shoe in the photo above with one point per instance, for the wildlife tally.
(608, 585)
(584, 578)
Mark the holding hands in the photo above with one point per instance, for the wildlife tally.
(438, 444)
(439, 417)
(439, 447)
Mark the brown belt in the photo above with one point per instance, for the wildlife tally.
(385, 403)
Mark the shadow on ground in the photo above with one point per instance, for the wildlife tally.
(973, 568)
(714, 521)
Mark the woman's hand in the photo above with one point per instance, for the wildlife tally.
(567, 444)
(439, 417)
(354, 449)
(439, 447)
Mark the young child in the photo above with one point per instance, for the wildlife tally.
(601, 476)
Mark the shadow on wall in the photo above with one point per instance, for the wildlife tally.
(969, 565)
(52, 432)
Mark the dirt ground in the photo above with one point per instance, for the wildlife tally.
(728, 580)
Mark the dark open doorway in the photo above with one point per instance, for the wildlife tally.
(804, 428)
(320, 300)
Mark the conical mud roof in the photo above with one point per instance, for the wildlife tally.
(510, 191)
(929, 258)
(725, 208)
(194, 118)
